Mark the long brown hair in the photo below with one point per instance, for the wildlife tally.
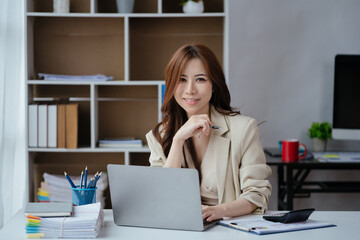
(173, 115)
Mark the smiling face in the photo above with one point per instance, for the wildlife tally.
(194, 91)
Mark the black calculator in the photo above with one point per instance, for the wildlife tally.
(290, 217)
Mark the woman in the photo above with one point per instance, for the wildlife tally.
(201, 130)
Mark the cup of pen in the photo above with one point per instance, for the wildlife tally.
(82, 196)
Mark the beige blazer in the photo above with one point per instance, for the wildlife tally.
(241, 168)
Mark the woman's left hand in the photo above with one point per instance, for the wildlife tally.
(211, 213)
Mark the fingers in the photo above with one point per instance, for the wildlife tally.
(194, 127)
(211, 213)
(211, 218)
(208, 213)
(203, 123)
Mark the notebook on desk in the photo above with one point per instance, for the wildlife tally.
(273, 152)
(52, 209)
(156, 197)
(276, 152)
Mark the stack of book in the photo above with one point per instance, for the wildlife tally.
(120, 143)
(86, 222)
(59, 209)
(55, 188)
(91, 78)
(53, 125)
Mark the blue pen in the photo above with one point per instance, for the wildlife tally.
(69, 180)
(85, 176)
(90, 183)
(82, 179)
(97, 178)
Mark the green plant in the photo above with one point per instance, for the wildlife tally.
(321, 131)
(182, 2)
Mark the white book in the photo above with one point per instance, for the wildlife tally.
(33, 125)
(42, 131)
(58, 209)
(52, 126)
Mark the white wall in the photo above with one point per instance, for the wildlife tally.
(281, 69)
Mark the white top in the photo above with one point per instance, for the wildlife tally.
(208, 186)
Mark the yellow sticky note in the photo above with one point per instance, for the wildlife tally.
(44, 194)
(331, 156)
(35, 235)
(33, 220)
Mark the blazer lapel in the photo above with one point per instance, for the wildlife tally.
(221, 151)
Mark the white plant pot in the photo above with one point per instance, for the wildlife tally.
(61, 6)
(319, 145)
(125, 6)
(193, 7)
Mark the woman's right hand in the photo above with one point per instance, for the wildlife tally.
(194, 126)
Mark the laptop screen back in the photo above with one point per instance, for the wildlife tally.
(155, 197)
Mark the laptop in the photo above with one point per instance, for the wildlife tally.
(156, 197)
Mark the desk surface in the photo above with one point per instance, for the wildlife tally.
(347, 228)
(312, 163)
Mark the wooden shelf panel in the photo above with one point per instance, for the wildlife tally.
(110, 6)
(173, 6)
(140, 159)
(107, 83)
(136, 92)
(127, 119)
(123, 15)
(133, 116)
(77, 6)
(60, 91)
(143, 6)
(94, 45)
(158, 38)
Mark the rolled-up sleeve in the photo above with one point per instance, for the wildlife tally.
(157, 156)
(253, 169)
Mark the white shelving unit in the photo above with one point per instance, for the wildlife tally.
(134, 48)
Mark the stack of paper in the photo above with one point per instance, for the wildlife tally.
(85, 223)
(57, 77)
(125, 143)
(56, 188)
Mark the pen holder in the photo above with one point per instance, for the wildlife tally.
(82, 196)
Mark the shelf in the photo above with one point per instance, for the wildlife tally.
(59, 91)
(210, 6)
(78, 6)
(123, 15)
(52, 99)
(110, 83)
(144, 149)
(140, 6)
(128, 118)
(133, 48)
(94, 45)
(110, 7)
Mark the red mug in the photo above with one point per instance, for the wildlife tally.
(290, 150)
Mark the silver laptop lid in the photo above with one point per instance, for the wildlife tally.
(155, 197)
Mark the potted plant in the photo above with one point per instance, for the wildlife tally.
(192, 6)
(320, 133)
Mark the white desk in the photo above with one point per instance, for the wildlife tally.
(348, 224)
